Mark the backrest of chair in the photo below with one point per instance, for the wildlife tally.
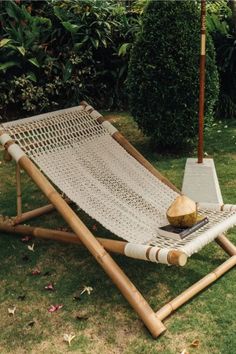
(79, 155)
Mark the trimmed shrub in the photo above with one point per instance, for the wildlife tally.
(163, 78)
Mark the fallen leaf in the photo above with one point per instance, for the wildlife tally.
(49, 287)
(195, 343)
(54, 308)
(25, 258)
(31, 324)
(68, 338)
(82, 315)
(185, 351)
(12, 310)
(86, 289)
(26, 239)
(31, 248)
(21, 297)
(77, 297)
(36, 271)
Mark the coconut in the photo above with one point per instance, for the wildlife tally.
(182, 212)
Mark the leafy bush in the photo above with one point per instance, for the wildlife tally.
(55, 53)
(163, 79)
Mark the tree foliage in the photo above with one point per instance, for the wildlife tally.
(55, 53)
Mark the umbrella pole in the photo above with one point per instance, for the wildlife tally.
(202, 81)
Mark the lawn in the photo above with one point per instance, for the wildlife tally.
(102, 321)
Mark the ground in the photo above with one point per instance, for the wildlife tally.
(103, 322)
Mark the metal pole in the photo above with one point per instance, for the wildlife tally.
(202, 81)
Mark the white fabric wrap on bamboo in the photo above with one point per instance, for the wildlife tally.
(88, 107)
(107, 125)
(14, 150)
(95, 114)
(4, 138)
(79, 155)
(155, 254)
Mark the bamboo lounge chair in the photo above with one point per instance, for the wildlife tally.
(94, 166)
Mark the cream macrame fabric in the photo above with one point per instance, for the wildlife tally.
(82, 159)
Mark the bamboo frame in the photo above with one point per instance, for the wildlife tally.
(18, 191)
(152, 320)
(175, 257)
(196, 288)
(19, 219)
(126, 287)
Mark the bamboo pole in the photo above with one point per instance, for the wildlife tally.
(18, 191)
(202, 82)
(226, 244)
(35, 213)
(173, 305)
(175, 257)
(63, 236)
(126, 287)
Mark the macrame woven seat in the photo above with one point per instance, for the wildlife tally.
(80, 157)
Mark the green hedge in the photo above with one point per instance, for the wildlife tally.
(163, 78)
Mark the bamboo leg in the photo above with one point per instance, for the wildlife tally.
(173, 305)
(68, 237)
(226, 244)
(34, 213)
(174, 257)
(18, 191)
(123, 283)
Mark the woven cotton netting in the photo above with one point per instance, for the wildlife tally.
(79, 156)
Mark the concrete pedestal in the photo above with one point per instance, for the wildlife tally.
(200, 182)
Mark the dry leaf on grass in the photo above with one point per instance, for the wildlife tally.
(36, 271)
(49, 287)
(68, 338)
(21, 297)
(31, 248)
(86, 289)
(25, 258)
(185, 352)
(54, 308)
(11, 310)
(26, 239)
(31, 324)
(195, 343)
(82, 315)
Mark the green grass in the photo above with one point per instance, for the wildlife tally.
(110, 325)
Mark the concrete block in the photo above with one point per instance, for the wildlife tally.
(200, 181)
